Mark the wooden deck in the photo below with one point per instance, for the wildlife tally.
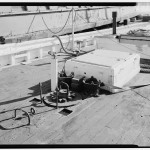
(122, 118)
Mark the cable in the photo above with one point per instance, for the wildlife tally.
(61, 28)
(31, 24)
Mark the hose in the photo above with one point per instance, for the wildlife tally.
(63, 46)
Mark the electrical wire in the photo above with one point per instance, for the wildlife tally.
(61, 28)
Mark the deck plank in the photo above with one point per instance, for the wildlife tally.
(92, 128)
(115, 116)
(68, 129)
(48, 131)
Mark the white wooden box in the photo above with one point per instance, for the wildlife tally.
(113, 68)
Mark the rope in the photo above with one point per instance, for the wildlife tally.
(60, 29)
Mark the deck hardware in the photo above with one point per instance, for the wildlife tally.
(25, 113)
(65, 112)
(32, 111)
(57, 90)
(15, 117)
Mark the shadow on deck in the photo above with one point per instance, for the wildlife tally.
(36, 92)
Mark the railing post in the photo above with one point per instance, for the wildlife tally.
(41, 53)
(28, 56)
(12, 59)
(114, 15)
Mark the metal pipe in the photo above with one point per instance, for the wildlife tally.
(54, 73)
(40, 85)
(57, 90)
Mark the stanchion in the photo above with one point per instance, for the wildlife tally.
(114, 15)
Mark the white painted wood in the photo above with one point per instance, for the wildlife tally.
(108, 66)
(41, 53)
(12, 60)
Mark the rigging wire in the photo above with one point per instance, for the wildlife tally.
(82, 18)
(61, 28)
(31, 24)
